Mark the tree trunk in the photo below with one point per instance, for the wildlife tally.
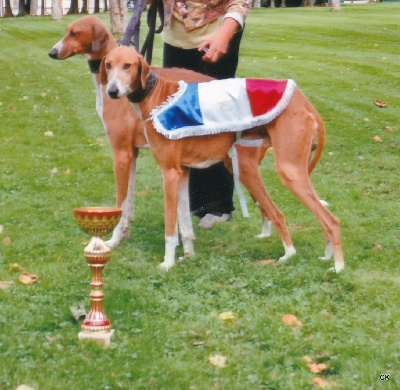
(105, 6)
(257, 4)
(21, 8)
(96, 9)
(73, 9)
(272, 4)
(118, 16)
(34, 7)
(8, 10)
(56, 10)
(84, 9)
(43, 4)
(28, 7)
(336, 5)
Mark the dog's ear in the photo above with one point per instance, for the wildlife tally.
(100, 37)
(103, 73)
(145, 70)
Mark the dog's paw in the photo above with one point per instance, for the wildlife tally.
(289, 252)
(112, 243)
(266, 229)
(164, 266)
(328, 253)
(262, 235)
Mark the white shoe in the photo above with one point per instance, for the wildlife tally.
(208, 221)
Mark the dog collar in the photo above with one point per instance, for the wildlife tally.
(141, 94)
(94, 66)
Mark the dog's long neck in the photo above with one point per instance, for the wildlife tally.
(163, 89)
(140, 94)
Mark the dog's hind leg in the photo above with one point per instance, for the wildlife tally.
(291, 138)
(184, 217)
(250, 176)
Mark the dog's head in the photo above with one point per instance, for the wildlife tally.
(86, 36)
(124, 71)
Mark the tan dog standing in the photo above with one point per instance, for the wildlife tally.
(291, 135)
(89, 37)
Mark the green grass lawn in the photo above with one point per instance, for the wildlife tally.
(167, 324)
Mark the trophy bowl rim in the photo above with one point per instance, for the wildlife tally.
(95, 210)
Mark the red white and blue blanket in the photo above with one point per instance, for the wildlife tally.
(221, 106)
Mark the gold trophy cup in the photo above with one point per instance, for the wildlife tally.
(97, 221)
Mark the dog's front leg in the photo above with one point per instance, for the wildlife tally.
(125, 174)
(184, 217)
(171, 183)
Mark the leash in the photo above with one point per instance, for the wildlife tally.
(133, 28)
(251, 143)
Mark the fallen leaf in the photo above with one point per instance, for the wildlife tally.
(217, 360)
(376, 139)
(1, 229)
(27, 278)
(266, 262)
(317, 368)
(24, 98)
(25, 387)
(78, 312)
(379, 103)
(308, 359)
(43, 94)
(54, 170)
(6, 285)
(7, 240)
(48, 133)
(227, 315)
(198, 343)
(377, 246)
(16, 265)
(291, 320)
(67, 171)
(322, 383)
(388, 128)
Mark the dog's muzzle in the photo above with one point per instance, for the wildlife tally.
(113, 92)
(53, 53)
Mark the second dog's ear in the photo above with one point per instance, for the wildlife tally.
(100, 37)
(145, 70)
(103, 73)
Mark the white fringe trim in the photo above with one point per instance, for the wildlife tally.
(233, 126)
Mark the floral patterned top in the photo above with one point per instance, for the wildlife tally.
(198, 13)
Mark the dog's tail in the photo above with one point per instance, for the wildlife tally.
(318, 144)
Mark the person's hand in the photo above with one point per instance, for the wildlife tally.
(217, 44)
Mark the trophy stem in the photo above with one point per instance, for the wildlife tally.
(96, 324)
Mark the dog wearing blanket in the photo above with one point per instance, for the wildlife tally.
(284, 116)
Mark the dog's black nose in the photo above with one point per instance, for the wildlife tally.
(112, 92)
(53, 54)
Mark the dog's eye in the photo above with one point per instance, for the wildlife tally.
(127, 66)
(73, 34)
(108, 65)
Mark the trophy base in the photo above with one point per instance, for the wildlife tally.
(102, 338)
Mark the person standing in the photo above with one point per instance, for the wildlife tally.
(204, 36)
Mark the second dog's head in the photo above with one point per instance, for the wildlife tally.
(124, 71)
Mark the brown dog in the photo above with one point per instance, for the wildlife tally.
(88, 36)
(291, 135)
